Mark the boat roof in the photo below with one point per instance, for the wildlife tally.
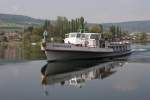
(91, 33)
(83, 33)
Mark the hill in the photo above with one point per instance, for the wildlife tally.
(132, 26)
(13, 22)
(9, 21)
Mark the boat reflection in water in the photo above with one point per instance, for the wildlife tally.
(76, 73)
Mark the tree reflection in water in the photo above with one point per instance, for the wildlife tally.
(20, 51)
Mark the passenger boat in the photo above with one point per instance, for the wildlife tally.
(85, 46)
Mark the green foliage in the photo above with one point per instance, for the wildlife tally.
(116, 31)
(97, 29)
(11, 20)
(57, 30)
(46, 24)
(101, 28)
(82, 24)
(107, 35)
(143, 37)
(33, 35)
(29, 29)
(63, 26)
(38, 31)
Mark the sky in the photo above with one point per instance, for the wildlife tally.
(94, 11)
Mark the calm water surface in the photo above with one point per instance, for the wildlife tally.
(25, 75)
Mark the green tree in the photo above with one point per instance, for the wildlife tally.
(29, 29)
(82, 24)
(96, 29)
(143, 37)
(56, 30)
(116, 31)
(46, 24)
(112, 30)
(107, 35)
(101, 28)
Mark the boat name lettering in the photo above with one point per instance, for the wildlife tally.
(64, 46)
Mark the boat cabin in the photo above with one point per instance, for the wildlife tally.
(83, 39)
(73, 38)
(95, 40)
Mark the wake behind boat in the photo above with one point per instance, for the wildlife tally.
(85, 46)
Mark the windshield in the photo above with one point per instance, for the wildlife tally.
(72, 35)
(83, 36)
(75, 35)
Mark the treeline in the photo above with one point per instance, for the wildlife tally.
(63, 26)
(57, 29)
(140, 37)
(115, 32)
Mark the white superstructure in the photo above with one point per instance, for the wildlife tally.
(83, 39)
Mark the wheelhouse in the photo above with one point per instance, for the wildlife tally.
(84, 39)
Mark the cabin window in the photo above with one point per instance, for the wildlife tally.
(80, 80)
(87, 36)
(83, 35)
(93, 36)
(72, 35)
(78, 35)
(73, 81)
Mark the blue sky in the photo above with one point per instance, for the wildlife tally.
(98, 11)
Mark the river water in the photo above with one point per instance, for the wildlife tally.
(26, 75)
